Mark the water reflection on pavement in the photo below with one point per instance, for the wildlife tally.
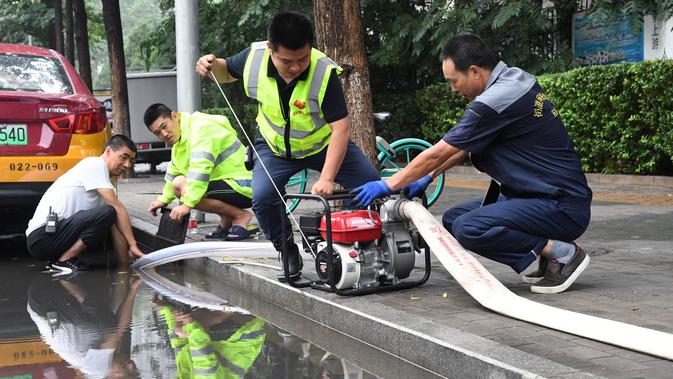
(85, 319)
(108, 323)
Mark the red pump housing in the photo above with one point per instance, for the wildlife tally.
(353, 226)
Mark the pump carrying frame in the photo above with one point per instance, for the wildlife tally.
(330, 286)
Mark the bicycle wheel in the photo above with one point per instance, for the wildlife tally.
(405, 150)
(296, 184)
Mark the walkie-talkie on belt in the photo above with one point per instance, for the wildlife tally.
(52, 222)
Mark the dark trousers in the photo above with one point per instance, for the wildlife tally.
(514, 231)
(355, 171)
(91, 225)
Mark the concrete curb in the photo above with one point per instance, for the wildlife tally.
(446, 351)
(631, 180)
(595, 178)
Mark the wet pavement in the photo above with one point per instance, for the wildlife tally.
(436, 326)
(109, 323)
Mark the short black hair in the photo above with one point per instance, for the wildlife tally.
(155, 111)
(467, 49)
(292, 30)
(118, 141)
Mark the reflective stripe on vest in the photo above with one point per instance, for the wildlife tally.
(201, 352)
(209, 371)
(191, 175)
(244, 182)
(320, 74)
(251, 335)
(229, 365)
(220, 158)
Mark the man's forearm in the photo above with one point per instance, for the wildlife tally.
(123, 223)
(454, 160)
(439, 156)
(111, 340)
(221, 71)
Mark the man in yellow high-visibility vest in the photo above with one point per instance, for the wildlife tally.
(206, 171)
(302, 118)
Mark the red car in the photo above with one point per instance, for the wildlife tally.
(49, 121)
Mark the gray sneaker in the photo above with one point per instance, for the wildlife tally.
(559, 276)
(538, 274)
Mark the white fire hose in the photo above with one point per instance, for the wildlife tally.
(490, 293)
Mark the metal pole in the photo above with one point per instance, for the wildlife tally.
(186, 53)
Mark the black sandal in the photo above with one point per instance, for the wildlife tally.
(218, 233)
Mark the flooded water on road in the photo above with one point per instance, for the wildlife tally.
(109, 323)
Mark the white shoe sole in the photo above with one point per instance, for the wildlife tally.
(562, 287)
(531, 279)
(58, 271)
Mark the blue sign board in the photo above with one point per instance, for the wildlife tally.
(597, 42)
(107, 103)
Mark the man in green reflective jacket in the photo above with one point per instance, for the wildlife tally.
(207, 169)
(199, 355)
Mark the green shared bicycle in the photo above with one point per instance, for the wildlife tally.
(392, 158)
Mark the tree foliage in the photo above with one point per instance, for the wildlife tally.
(19, 18)
(139, 18)
(635, 10)
(404, 37)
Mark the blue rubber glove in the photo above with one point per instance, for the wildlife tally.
(418, 187)
(370, 191)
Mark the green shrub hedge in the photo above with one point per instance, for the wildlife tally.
(427, 113)
(619, 116)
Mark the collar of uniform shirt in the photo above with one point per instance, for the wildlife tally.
(272, 72)
(497, 70)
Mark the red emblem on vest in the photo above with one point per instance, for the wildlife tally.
(299, 104)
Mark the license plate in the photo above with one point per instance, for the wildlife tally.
(14, 134)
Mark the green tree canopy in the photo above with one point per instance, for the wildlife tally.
(20, 18)
(635, 10)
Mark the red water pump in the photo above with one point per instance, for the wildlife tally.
(368, 254)
(353, 226)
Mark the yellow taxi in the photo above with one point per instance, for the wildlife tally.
(49, 121)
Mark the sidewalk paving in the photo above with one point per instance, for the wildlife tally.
(630, 240)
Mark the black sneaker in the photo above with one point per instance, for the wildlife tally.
(538, 274)
(82, 266)
(69, 266)
(559, 276)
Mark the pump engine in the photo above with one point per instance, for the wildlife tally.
(367, 251)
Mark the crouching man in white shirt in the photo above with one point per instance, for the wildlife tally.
(85, 204)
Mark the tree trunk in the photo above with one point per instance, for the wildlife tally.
(82, 40)
(51, 36)
(564, 21)
(58, 25)
(69, 33)
(340, 35)
(115, 47)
